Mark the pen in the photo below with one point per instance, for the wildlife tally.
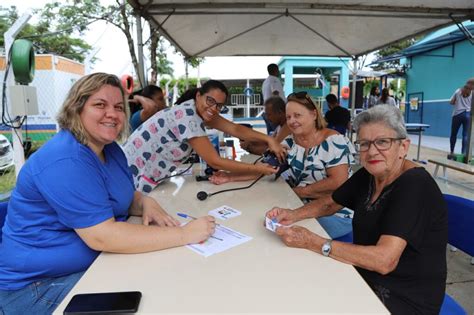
(187, 216)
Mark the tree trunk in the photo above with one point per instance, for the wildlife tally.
(131, 44)
(154, 40)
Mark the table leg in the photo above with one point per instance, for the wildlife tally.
(419, 144)
(435, 174)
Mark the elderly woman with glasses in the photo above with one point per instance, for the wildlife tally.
(400, 220)
(166, 139)
(319, 159)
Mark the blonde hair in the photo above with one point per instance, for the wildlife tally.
(69, 114)
(307, 102)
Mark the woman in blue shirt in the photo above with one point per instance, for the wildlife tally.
(71, 202)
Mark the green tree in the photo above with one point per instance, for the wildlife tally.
(78, 15)
(160, 64)
(121, 15)
(391, 50)
(46, 36)
(369, 85)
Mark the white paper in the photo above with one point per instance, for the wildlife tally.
(224, 213)
(224, 238)
(271, 225)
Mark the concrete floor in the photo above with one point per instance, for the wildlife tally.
(460, 281)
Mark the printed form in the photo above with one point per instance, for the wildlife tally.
(223, 239)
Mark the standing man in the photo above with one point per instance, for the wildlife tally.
(461, 100)
(337, 117)
(272, 87)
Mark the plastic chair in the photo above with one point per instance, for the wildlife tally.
(460, 223)
(348, 238)
(451, 307)
(460, 235)
(3, 214)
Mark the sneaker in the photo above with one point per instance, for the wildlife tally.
(451, 156)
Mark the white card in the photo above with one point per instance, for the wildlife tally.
(271, 224)
(224, 213)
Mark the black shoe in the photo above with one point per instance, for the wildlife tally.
(451, 156)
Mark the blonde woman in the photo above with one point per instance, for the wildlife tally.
(319, 159)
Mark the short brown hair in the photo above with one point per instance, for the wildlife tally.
(69, 114)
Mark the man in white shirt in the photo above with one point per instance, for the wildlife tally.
(272, 85)
(461, 100)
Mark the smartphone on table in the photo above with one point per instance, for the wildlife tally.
(104, 303)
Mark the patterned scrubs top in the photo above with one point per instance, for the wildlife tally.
(160, 144)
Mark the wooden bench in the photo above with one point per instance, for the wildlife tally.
(458, 166)
(445, 163)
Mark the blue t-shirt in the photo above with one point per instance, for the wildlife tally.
(136, 120)
(62, 187)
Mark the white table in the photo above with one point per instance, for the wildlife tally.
(262, 276)
(418, 128)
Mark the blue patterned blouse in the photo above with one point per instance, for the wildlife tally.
(309, 167)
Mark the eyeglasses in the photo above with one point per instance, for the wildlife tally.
(211, 102)
(382, 144)
(303, 95)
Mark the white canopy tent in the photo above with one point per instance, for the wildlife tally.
(344, 28)
(324, 28)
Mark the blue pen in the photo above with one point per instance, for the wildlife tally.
(187, 216)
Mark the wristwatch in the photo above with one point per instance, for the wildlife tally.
(326, 248)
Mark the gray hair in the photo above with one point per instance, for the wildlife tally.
(388, 115)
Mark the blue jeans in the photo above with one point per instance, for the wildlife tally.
(40, 297)
(335, 226)
(459, 120)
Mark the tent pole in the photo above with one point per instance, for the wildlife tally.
(354, 86)
(470, 133)
(186, 69)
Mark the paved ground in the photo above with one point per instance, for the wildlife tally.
(460, 282)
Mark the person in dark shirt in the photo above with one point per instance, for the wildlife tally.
(275, 113)
(144, 104)
(337, 117)
(400, 221)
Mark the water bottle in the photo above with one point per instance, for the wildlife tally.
(230, 150)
